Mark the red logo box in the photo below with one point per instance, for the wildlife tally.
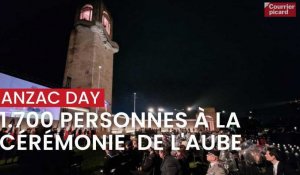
(280, 9)
(51, 97)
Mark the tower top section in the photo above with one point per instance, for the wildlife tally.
(94, 13)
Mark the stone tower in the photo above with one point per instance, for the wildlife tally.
(91, 50)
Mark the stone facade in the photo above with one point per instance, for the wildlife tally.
(90, 54)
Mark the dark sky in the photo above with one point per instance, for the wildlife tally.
(173, 53)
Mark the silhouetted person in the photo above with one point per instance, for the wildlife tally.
(169, 165)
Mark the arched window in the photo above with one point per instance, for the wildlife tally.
(86, 12)
(106, 22)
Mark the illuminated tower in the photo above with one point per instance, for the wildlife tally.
(91, 50)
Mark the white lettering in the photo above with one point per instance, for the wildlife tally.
(68, 97)
(31, 93)
(86, 138)
(140, 141)
(199, 122)
(64, 119)
(78, 118)
(90, 120)
(83, 98)
(218, 121)
(50, 97)
(233, 123)
(8, 136)
(123, 115)
(95, 96)
(104, 119)
(184, 122)
(6, 98)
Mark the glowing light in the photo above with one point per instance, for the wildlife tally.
(150, 110)
(161, 109)
(105, 22)
(86, 12)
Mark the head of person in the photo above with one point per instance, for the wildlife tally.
(28, 130)
(166, 151)
(213, 156)
(134, 143)
(272, 154)
(180, 154)
(182, 148)
(128, 145)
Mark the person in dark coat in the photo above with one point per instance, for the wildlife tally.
(278, 167)
(137, 154)
(182, 158)
(150, 164)
(169, 165)
(129, 156)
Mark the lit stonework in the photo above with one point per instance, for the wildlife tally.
(91, 50)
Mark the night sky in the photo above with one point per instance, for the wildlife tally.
(173, 53)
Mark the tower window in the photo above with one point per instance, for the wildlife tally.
(106, 22)
(86, 12)
(68, 83)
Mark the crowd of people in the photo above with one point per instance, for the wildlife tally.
(258, 155)
(41, 161)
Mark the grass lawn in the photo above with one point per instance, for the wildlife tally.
(92, 160)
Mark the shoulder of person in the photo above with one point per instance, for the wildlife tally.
(152, 156)
(219, 166)
(171, 159)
